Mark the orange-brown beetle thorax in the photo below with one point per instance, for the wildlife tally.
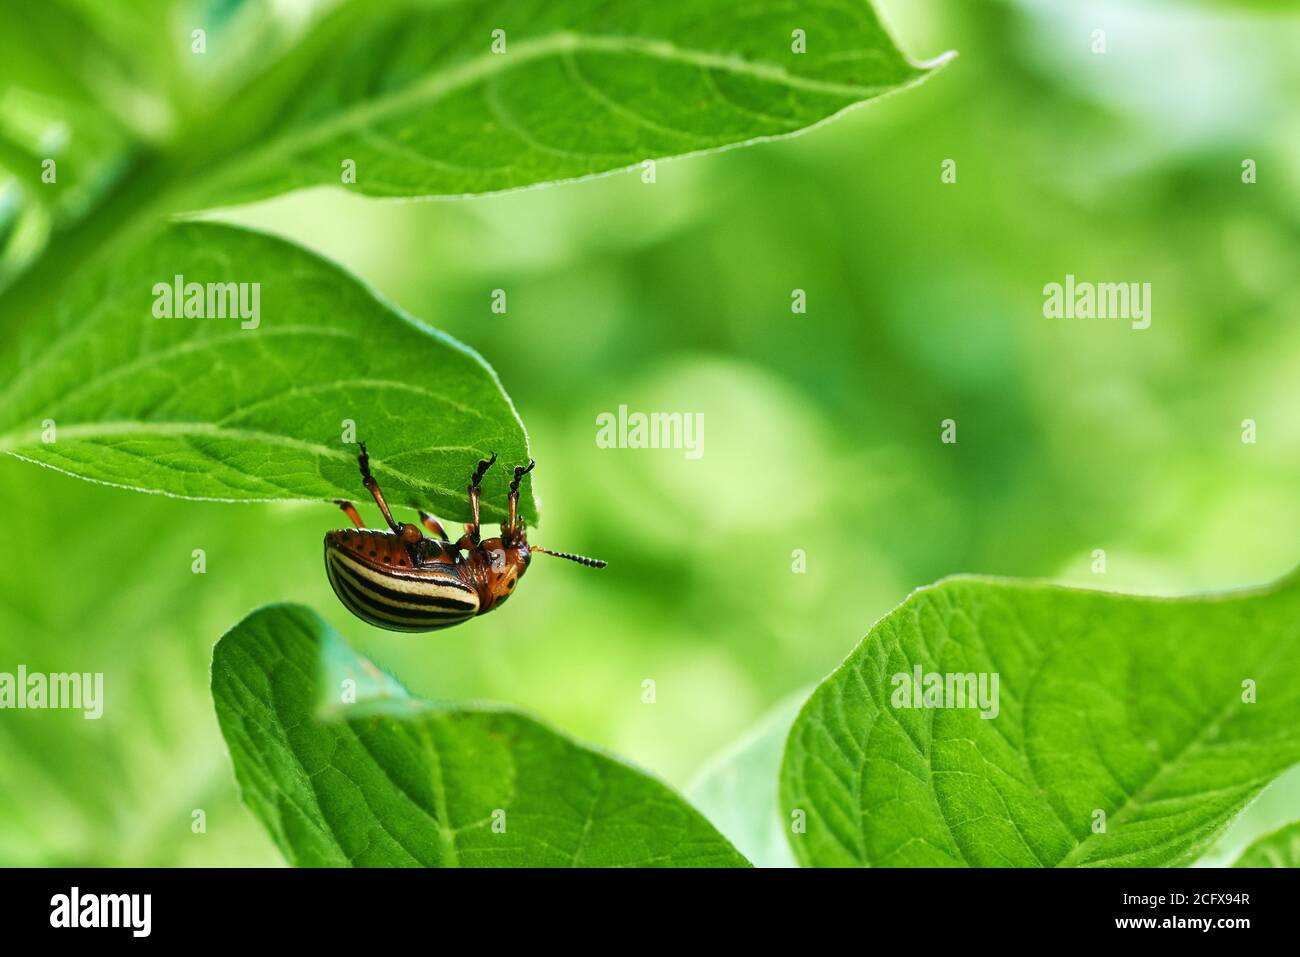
(495, 567)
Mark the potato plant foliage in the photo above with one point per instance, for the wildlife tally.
(509, 96)
(344, 768)
(1128, 731)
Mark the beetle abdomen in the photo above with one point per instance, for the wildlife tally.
(399, 598)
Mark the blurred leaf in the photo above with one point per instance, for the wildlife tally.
(1279, 849)
(11, 214)
(1275, 808)
(102, 64)
(737, 790)
(1129, 706)
(206, 408)
(121, 790)
(48, 47)
(393, 781)
(475, 97)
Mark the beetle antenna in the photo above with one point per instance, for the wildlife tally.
(580, 559)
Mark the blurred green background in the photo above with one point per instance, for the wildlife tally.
(821, 429)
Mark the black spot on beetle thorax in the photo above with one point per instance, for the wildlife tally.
(430, 551)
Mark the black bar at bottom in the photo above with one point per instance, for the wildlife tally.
(369, 907)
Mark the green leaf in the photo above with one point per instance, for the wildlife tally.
(737, 790)
(1279, 849)
(209, 409)
(395, 781)
(416, 97)
(1131, 707)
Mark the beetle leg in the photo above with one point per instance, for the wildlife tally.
(471, 530)
(433, 525)
(351, 511)
(520, 472)
(363, 461)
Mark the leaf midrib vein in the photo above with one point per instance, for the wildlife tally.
(442, 83)
(1141, 795)
(96, 430)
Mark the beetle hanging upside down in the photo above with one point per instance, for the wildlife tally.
(404, 581)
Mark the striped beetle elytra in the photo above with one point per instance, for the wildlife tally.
(403, 580)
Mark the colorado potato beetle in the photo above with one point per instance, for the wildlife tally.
(403, 580)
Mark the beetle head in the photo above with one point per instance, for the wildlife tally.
(498, 564)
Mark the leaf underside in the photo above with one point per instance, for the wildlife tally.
(415, 96)
(203, 408)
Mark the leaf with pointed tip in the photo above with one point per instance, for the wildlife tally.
(473, 96)
(390, 780)
(1123, 731)
(206, 408)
